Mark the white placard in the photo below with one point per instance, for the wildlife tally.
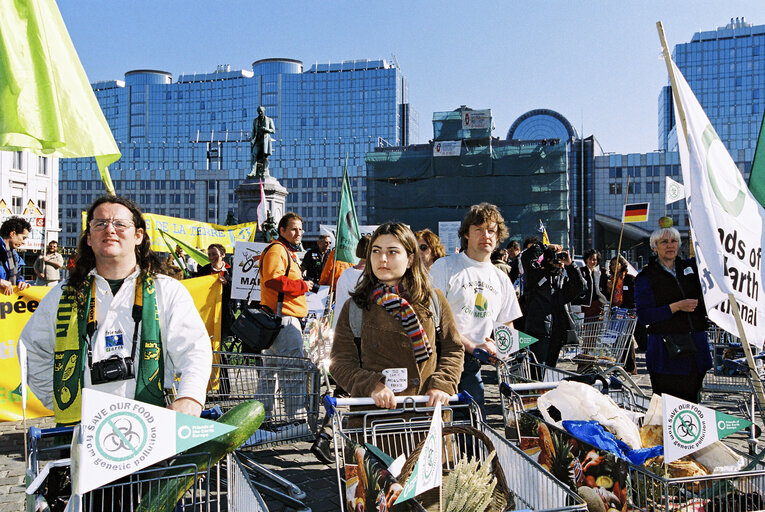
(246, 276)
(447, 232)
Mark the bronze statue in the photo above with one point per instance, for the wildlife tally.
(260, 144)
(269, 228)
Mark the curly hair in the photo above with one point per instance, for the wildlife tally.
(437, 249)
(85, 259)
(14, 225)
(480, 214)
(416, 282)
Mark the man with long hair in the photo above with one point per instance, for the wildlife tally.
(117, 325)
(479, 293)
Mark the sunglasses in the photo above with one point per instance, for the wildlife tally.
(424, 247)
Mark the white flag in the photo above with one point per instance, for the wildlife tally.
(118, 436)
(673, 191)
(689, 427)
(262, 207)
(427, 472)
(726, 221)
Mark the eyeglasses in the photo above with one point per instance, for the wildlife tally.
(119, 224)
(424, 247)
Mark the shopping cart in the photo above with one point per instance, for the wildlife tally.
(399, 431)
(603, 342)
(647, 488)
(289, 389)
(522, 381)
(224, 485)
(730, 378)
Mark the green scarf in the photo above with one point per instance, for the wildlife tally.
(71, 351)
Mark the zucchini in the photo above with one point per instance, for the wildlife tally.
(163, 496)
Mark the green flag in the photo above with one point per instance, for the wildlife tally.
(757, 176)
(195, 253)
(347, 233)
(46, 102)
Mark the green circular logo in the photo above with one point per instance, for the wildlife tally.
(723, 179)
(686, 426)
(430, 460)
(121, 436)
(503, 338)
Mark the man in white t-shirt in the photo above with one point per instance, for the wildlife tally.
(479, 293)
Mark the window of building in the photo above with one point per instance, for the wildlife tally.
(17, 199)
(615, 188)
(42, 165)
(42, 204)
(17, 160)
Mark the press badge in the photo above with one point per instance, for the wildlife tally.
(688, 270)
(113, 340)
(396, 379)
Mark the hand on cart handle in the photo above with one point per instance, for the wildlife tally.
(383, 397)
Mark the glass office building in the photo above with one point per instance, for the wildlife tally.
(185, 144)
(726, 71)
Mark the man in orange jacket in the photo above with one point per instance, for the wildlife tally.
(283, 291)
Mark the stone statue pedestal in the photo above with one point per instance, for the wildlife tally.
(248, 195)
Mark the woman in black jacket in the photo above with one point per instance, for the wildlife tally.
(619, 290)
(592, 300)
(670, 301)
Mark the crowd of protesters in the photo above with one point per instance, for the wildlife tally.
(407, 293)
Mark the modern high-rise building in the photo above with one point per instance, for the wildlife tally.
(185, 144)
(725, 68)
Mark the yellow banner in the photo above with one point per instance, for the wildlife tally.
(16, 309)
(195, 233)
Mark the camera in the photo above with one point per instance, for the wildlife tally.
(111, 369)
(561, 256)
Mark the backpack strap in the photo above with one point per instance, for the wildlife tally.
(435, 310)
(354, 318)
(280, 298)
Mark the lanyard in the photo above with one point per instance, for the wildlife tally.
(92, 325)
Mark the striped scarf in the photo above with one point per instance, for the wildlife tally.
(392, 299)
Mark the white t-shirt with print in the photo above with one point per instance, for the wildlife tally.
(478, 293)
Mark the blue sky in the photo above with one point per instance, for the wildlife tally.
(595, 62)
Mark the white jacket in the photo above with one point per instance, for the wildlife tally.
(185, 343)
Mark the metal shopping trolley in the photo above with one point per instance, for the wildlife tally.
(603, 342)
(730, 377)
(397, 432)
(186, 482)
(644, 488)
(289, 388)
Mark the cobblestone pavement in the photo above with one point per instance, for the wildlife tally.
(292, 461)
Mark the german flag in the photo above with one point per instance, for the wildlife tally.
(636, 212)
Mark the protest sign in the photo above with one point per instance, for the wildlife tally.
(689, 427)
(509, 340)
(246, 276)
(427, 472)
(119, 436)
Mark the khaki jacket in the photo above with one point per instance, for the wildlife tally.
(385, 344)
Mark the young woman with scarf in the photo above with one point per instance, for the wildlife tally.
(398, 352)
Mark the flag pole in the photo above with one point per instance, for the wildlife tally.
(619, 247)
(331, 296)
(758, 388)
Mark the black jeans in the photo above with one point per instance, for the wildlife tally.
(685, 387)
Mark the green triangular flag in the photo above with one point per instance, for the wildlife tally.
(347, 232)
(757, 176)
(509, 340)
(195, 253)
(727, 424)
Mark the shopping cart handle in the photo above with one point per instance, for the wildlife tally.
(614, 383)
(482, 355)
(331, 403)
(508, 389)
(38, 433)
(212, 413)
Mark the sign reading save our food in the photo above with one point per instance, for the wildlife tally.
(689, 427)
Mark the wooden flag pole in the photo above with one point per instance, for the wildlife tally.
(758, 389)
(619, 247)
